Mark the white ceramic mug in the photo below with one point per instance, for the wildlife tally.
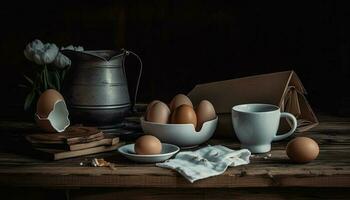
(256, 125)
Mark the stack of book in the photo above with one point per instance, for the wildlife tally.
(74, 141)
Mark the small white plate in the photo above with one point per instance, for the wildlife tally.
(168, 150)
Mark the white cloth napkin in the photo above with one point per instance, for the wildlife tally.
(206, 162)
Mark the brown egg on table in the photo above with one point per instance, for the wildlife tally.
(159, 113)
(179, 100)
(149, 106)
(52, 113)
(205, 112)
(302, 149)
(148, 145)
(184, 114)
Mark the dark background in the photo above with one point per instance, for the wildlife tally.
(183, 43)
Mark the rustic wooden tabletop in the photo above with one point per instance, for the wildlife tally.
(269, 175)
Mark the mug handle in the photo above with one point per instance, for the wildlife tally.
(289, 133)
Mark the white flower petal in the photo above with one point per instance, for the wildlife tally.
(79, 48)
(37, 59)
(37, 44)
(62, 61)
(73, 48)
(29, 52)
(70, 47)
(50, 53)
(28, 55)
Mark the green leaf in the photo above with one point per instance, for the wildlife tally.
(64, 74)
(49, 79)
(28, 79)
(37, 90)
(29, 100)
(44, 80)
(23, 86)
(57, 80)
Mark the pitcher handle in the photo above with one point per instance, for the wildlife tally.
(127, 52)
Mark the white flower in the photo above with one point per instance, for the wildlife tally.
(31, 48)
(49, 53)
(36, 58)
(71, 47)
(41, 53)
(61, 61)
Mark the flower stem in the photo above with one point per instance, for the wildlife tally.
(44, 77)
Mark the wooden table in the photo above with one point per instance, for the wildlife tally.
(270, 176)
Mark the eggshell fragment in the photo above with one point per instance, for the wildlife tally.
(148, 145)
(159, 113)
(302, 150)
(44, 124)
(46, 102)
(179, 100)
(57, 121)
(52, 113)
(205, 112)
(184, 114)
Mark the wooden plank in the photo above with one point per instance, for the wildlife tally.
(190, 194)
(58, 154)
(103, 141)
(161, 181)
(330, 169)
(72, 135)
(175, 193)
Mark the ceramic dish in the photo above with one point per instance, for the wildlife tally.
(183, 135)
(168, 150)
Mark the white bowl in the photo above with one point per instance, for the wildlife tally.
(168, 150)
(183, 135)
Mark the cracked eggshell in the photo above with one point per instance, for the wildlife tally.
(52, 113)
(47, 101)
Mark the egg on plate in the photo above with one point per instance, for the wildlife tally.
(148, 145)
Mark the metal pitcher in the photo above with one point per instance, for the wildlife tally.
(96, 89)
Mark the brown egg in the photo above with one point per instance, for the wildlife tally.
(149, 106)
(179, 100)
(302, 149)
(159, 113)
(147, 145)
(205, 112)
(184, 114)
(47, 101)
